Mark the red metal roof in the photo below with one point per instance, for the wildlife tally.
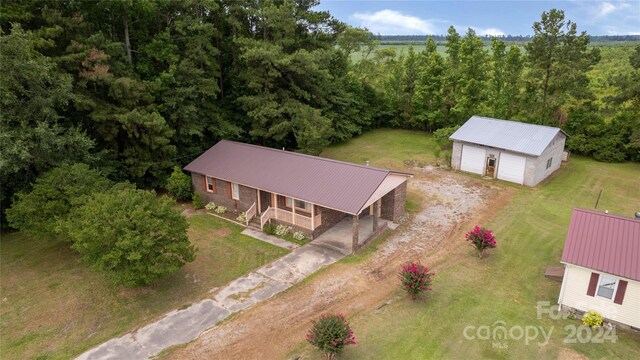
(604, 242)
(334, 184)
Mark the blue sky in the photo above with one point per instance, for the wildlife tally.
(486, 17)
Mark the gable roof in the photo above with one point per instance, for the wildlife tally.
(604, 242)
(330, 183)
(529, 139)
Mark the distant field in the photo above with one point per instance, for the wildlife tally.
(402, 47)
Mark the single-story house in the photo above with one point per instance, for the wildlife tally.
(309, 193)
(508, 150)
(602, 266)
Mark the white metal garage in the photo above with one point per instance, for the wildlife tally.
(511, 167)
(512, 151)
(473, 159)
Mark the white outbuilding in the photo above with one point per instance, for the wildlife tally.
(512, 151)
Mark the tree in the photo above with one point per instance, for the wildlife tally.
(504, 86)
(54, 195)
(558, 60)
(330, 334)
(415, 279)
(481, 239)
(179, 184)
(429, 98)
(471, 95)
(34, 137)
(132, 236)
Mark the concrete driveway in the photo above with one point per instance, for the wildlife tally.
(340, 236)
(182, 326)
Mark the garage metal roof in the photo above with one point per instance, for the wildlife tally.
(330, 183)
(604, 242)
(516, 136)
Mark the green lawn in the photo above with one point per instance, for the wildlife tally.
(505, 286)
(386, 148)
(54, 307)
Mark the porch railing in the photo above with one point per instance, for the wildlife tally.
(289, 217)
(251, 213)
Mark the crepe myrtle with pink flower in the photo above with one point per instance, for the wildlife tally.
(331, 333)
(416, 279)
(481, 239)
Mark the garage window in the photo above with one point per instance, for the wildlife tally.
(549, 162)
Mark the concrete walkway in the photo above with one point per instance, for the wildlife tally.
(182, 326)
(257, 234)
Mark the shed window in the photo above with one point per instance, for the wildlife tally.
(606, 287)
(235, 191)
(211, 185)
(549, 162)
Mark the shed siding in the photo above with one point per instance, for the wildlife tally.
(574, 295)
(456, 155)
(536, 168)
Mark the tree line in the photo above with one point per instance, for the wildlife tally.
(132, 88)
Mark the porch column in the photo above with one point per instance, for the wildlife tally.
(354, 229)
(275, 196)
(313, 217)
(376, 206)
(259, 205)
(293, 209)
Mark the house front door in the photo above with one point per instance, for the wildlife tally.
(491, 166)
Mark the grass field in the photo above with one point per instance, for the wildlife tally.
(54, 307)
(386, 148)
(503, 287)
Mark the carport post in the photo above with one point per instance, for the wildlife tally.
(375, 215)
(354, 229)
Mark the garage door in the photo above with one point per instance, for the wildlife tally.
(511, 168)
(473, 159)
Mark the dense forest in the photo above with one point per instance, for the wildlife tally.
(132, 88)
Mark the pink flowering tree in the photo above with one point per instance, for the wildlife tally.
(330, 334)
(416, 279)
(481, 239)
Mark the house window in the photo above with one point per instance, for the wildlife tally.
(606, 287)
(299, 204)
(549, 162)
(211, 185)
(235, 191)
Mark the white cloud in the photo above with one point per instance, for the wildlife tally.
(488, 31)
(391, 22)
(606, 8)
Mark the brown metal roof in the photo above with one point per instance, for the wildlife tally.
(604, 242)
(334, 184)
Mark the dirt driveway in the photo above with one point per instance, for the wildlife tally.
(450, 204)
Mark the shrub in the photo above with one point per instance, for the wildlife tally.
(269, 229)
(416, 279)
(441, 136)
(197, 201)
(132, 236)
(592, 319)
(481, 239)
(179, 184)
(282, 230)
(330, 334)
(298, 235)
(220, 209)
(210, 206)
(242, 217)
